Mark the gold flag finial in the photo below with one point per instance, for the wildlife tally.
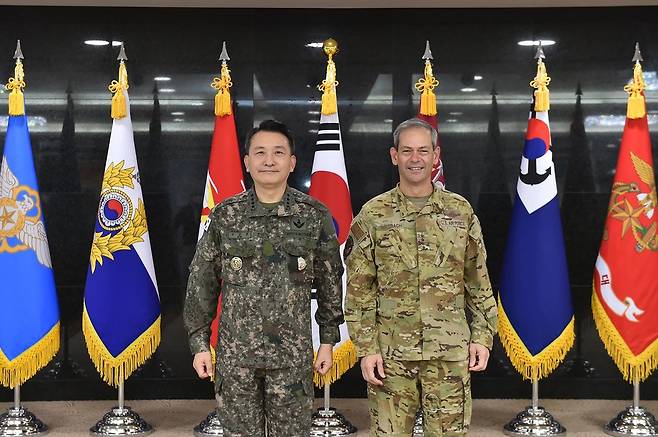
(16, 84)
(119, 88)
(223, 84)
(329, 84)
(540, 83)
(426, 85)
(637, 107)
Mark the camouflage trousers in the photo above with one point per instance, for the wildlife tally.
(248, 398)
(442, 388)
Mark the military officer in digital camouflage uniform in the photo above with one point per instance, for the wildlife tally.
(416, 263)
(268, 247)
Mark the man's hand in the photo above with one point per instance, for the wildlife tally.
(478, 356)
(372, 369)
(324, 360)
(203, 364)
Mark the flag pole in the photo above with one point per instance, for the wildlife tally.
(535, 393)
(634, 420)
(18, 421)
(327, 396)
(121, 397)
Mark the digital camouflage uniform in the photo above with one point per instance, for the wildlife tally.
(410, 277)
(268, 261)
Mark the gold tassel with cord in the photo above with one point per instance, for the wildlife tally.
(115, 370)
(533, 366)
(16, 85)
(26, 365)
(426, 86)
(344, 357)
(223, 97)
(118, 88)
(540, 84)
(636, 102)
(328, 88)
(632, 367)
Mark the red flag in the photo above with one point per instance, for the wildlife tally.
(625, 298)
(437, 170)
(225, 178)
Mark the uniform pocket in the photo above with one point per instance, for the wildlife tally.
(455, 398)
(237, 258)
(299, 250)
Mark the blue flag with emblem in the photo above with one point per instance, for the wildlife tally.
(29, 314)
(121, 314)
(536, 319)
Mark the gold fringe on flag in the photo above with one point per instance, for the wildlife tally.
(636, 103)
(119, 108)
(16, 85)
(213, 357)
(27, 364)
(533, 366)
(540, 84)
(344, 357)
(329, 84)
(426, 86)
(115, 370)
(223, 96)
(632, 367)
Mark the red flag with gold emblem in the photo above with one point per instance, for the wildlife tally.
(625, 297)
(225, 177)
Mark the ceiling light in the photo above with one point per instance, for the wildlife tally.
(179, 119)
(468, 90)
(451, 120)
(178, 113)
(318, 45)
(162, 78)
(116, 43)
(530, 42)
(97, 42)
(314, 121)
(167, 90)
(314, 112)
(456, 113)
(477, 77)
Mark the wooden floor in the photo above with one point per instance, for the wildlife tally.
(582, 418)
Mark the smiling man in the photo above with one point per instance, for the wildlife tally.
(415, 262)
(268, 247)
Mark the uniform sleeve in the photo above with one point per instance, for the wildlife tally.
(328, 282)
(361, 297)
(203, 288)
(479, 295)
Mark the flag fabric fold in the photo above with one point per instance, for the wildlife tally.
(625, 290)
(29, 314)
(535, 309)
(121, 313)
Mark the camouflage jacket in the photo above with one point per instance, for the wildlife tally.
(268, 262)
(410, 276)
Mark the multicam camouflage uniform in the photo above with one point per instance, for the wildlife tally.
(411, 274)
(268, 261)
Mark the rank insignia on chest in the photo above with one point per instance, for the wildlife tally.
(298, 222)
(236, 263)
(301, 263)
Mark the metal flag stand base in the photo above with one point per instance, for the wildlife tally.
(121, 420)
(18, 421)
(210, 426)
(634, 420)
(418, 424)
(327, 422)
(534, 420)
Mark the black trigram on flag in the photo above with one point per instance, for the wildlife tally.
(328, 133)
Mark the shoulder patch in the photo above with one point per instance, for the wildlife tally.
(358, 231)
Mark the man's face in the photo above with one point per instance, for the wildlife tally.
(269, 160)
(415, 156)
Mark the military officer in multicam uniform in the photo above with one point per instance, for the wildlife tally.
(268, 247)
(415, 263)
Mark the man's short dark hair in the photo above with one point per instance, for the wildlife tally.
(270, 126)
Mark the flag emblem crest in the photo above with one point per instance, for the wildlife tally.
(21, 227)
(115, 210)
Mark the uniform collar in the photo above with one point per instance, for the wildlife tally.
(287, 207)
(434, 203)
